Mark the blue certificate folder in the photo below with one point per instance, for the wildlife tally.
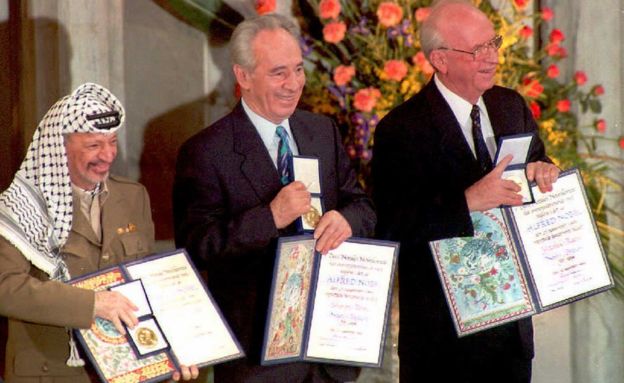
(331, 308)
(179, 324)
(523, 260)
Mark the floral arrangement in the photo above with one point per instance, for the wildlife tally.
(363, 59)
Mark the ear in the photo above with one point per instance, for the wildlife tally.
(242, 77)
(437, 59)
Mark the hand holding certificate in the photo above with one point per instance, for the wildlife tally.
(524, 260)
(179, 323)
(330, 308)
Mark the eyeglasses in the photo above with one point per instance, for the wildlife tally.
(481, 51)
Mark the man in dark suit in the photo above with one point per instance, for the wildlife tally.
(230, 205)
(429, 172)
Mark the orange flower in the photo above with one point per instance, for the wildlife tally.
(395, 70)
(334, 32)
(580, 77)
(563, 106)
(329, 9)
(389, 14)
(526, 32)
(422, 13)
(547, 14)
(366, 99)
(601, 125)
(421, 61)
(598, 90)
(520, 4)
(535, 109)
(532, 88)
(343, 74)
(265, 6)
(552, 71)
(556, 36)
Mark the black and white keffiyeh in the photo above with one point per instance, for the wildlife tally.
(36, 209)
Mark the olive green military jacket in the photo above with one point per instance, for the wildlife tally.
(40, 310)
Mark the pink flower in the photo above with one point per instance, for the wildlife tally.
(526, 32)
(601, 125)
(334, 32)
(563, 106)
(265, 6)
(547, 14)
(580, 77)
(395, 70)
(422, 13)
(598, 90)
(421, 61)
(532, 88)
(556, 36)
(343, 74)
(389, 14)
(506, 286)
(520, 4)
(493, 271)
(535, 110)
(552, 71)
(329, 9)
(366, 99)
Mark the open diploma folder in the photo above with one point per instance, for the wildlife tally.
(330, 308)
(180, 322)
(523, 260)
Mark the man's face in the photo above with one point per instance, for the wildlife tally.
(462, 73)
(89, 157)
(272, 89)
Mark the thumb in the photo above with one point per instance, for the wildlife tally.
(500, 168)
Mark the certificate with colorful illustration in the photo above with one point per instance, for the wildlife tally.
(524, 260)
(330, 308)
(179, 322)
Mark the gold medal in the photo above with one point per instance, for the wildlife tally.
(146, 337)
(312, 217)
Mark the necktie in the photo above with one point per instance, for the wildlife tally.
(284, 155)
(483, 156)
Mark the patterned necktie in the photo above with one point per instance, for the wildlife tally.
(483, 156)
(284, 155)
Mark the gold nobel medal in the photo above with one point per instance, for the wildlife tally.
(146, 337)
(312, 217)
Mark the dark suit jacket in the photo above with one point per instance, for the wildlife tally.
(224, 182)
(422, 165)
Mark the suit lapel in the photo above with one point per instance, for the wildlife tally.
(304, 136)
(452, 139)
(256, 164)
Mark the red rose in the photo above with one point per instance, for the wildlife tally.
(552, 71)
(520, 4)
(556, 36)
(547, 14)
(563, 106)
(598, 90)
(535, 110)
(526, 32)
(580, 77)
(621, 142)
(265, 6)
(601, 125)
(532, 88)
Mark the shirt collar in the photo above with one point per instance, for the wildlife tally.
(265, 128)
(460, 107)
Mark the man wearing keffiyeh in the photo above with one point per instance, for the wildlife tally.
(64, 216)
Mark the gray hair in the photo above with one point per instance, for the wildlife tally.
(241, 51)
(430, 36)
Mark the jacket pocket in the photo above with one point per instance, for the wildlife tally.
(134, 244)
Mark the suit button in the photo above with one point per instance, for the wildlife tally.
(44, 367)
